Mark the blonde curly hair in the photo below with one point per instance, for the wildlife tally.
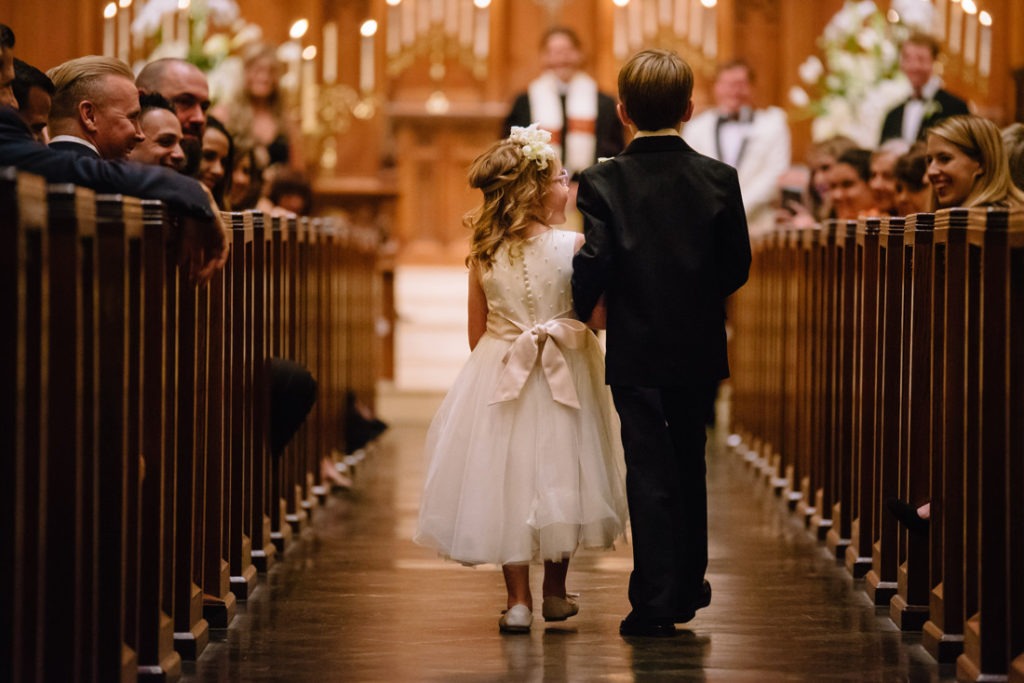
(514, 188)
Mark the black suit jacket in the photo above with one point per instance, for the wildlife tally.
(608, 128)
(948, 105)
(666, 242)
(19, 149)
(75, 148)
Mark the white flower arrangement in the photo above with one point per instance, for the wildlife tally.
(535, 144)
(860, 79)
(217, 34)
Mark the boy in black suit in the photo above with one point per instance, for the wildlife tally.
(666, 243)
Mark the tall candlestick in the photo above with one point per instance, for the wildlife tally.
(184, 30)
(939, 19)
(635, 27)
(985, 45)
(394, 34)
(466, 27)
(309, 90)
(124, 21)
(109, 12)
(696, 29)
(408, 22)
(366, 56)
(956, 16)
(971, 39)
(650, 19)
(138, 39)
(620, 47)
(481, 43)
(711, 33)
(330, 52)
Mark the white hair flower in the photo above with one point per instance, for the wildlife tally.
(535, 144)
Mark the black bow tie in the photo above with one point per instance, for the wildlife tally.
(729, 118)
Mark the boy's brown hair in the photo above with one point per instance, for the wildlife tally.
(655, 87)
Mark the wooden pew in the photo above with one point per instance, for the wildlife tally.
(139, 492)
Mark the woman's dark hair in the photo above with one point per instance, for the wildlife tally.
(860, 159)
(224, 186)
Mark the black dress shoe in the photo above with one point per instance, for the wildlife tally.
(688, 612)
(646, 628)
(908, 517)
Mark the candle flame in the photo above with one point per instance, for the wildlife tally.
(368, 28)
(969, 6)
(482, 4)
(110, 11)
(620, 3)
(985, 19)
(309, 53)
(394, 3)
(299, 29)
(709, 3)
(124, 3)
(184, 4)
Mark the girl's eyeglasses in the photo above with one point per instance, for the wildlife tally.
(563, 178)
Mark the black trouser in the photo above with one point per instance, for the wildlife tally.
(666, 485)
(292, 395)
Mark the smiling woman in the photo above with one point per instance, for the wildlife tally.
(967, 165)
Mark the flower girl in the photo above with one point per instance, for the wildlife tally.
(524, 456)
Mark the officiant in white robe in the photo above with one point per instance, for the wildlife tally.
(566, 102)
(756, 142)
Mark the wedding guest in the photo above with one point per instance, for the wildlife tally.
(291, 192)
(215, 160)
(184, 85)
(95, 107)
(849, 192)
(913, 192)
(754, 141)
(1013, 141)
(246, 179)
(256, 115)
(34, 92)
(967, 164)
(162, 131)
(821, 158)
(928, 103)
(882, 181)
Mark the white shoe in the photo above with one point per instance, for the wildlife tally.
(516, 619)
(560, 609)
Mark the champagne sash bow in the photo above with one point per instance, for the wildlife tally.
(548, 341)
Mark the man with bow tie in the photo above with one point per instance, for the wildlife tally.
(753, 141)
(929, 103)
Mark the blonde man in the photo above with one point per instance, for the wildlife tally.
(95, 110)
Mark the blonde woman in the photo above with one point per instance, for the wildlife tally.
(967, 164)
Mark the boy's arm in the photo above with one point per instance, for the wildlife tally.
(593, 261)
(599, 316)
(732, 241)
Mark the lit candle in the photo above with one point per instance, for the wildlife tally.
(985, 45)
(309, 90)
(650, 20)
(682, 14)
(466, 27)
(138, 40)
(330, 52)
(124, 22)
(183, 25)
(451, 19)
(665, 12)
(939, 17)
(366, 56)
(408, 22)
(634, 23)
(481, 43)
(696, 29)
(710, 31)
(971, 38)
(620, 46)
(394, 35)
(956, 17)
(109, 12)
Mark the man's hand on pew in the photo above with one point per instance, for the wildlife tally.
(204, 244)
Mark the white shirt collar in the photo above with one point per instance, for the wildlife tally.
(660, 131)
(72, 138)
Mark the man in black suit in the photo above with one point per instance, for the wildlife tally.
(95, 109)
(666, 243)
(185, 86)
(6, 67)
(34, 92)
(929, 103)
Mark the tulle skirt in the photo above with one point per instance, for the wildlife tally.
(523, 480)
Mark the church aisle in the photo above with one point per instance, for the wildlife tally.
(358, 601)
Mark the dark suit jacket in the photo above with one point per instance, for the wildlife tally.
(948, 105)
(608, 128)
(667, 242)
(18, 149)
(75, 148)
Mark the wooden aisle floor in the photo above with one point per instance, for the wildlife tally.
(358, 601)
